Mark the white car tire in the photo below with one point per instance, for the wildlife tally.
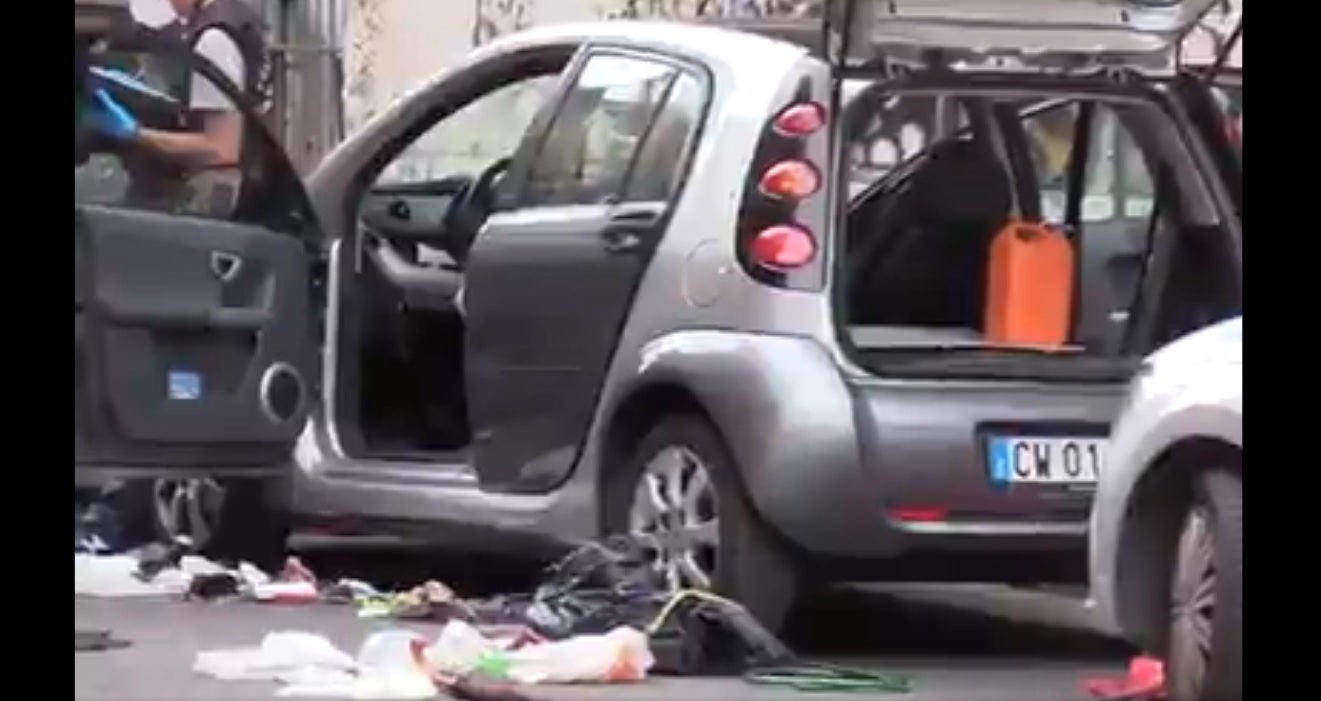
(1204, 661)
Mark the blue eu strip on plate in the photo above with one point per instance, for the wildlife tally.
(1000, 459)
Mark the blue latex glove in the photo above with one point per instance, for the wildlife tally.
(109, 117)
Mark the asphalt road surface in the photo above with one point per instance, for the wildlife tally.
(967, 643)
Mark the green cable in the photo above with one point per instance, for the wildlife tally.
(822, 678)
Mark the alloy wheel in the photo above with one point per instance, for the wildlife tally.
(1192, 606)
(674, 518)
(188, 508)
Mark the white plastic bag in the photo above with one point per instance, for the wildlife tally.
(459, 648)
(387, 671)
(280, 654)
(622, 655)
(114, 576)
(388, 652)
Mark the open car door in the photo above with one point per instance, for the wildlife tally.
(195, 343)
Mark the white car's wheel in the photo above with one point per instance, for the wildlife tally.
(1205, 658)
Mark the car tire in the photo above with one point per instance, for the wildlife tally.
(1208, 666)
(239, 522)
(750, 566)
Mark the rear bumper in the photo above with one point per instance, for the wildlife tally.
(912, 476)
(826, 458)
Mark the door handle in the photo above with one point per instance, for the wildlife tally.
(225, 265)
(637, 214)
(621, 240)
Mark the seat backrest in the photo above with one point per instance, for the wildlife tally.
(934, 273)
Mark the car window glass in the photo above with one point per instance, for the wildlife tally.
(142, 170)
(591, 143)
(1115, 218)
(897, 129)
(1230, 99)
(661, 163)
(481, 132)
(1117, 183)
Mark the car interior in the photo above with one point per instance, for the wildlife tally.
(400, 391)
(407, 359)
(1029, 237)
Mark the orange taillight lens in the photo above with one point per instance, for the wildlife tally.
(792, 179)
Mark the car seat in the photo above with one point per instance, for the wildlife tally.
(935, 270)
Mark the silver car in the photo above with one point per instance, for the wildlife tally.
(1167, 525)
(676, 280)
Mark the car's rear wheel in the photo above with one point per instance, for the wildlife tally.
(680, 496)
(1205, 659)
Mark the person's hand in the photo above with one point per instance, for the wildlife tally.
(110, 118)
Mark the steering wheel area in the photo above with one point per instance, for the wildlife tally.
(470, 210)
(392, 232)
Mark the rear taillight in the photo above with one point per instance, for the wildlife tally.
(801, 119)
(790, 180)
(782, 213)
(783, 247)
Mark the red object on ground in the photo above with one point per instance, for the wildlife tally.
(1145, 682)
(295, 571)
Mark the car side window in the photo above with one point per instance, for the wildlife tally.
(1115, 224)
(660, 165)
(587, 153)
(478, 134)
(898, 128)
(1117, 184)
(153, 133)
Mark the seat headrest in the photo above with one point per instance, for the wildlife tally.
(960, 181)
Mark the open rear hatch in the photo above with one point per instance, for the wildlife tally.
(1052, 32)
(1035, 32)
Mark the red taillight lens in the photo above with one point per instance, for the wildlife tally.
(800, 119)
(790, 180)
(783, 247)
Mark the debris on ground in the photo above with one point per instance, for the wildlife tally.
(119, 576)
(350, 591)
(599, 615)
(1145, 681)
(401, 665)
(431, 601)
(96, 641)
(108, 519)
(295, 584)
(618, 656)
(280, 656)
(163, 570)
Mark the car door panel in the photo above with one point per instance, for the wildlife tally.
(195, 332)
(196, 335)
(550, 285)
(540, 349)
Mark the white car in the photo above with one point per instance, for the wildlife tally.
(1167, 523)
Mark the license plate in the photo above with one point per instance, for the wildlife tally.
(1055, 460)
